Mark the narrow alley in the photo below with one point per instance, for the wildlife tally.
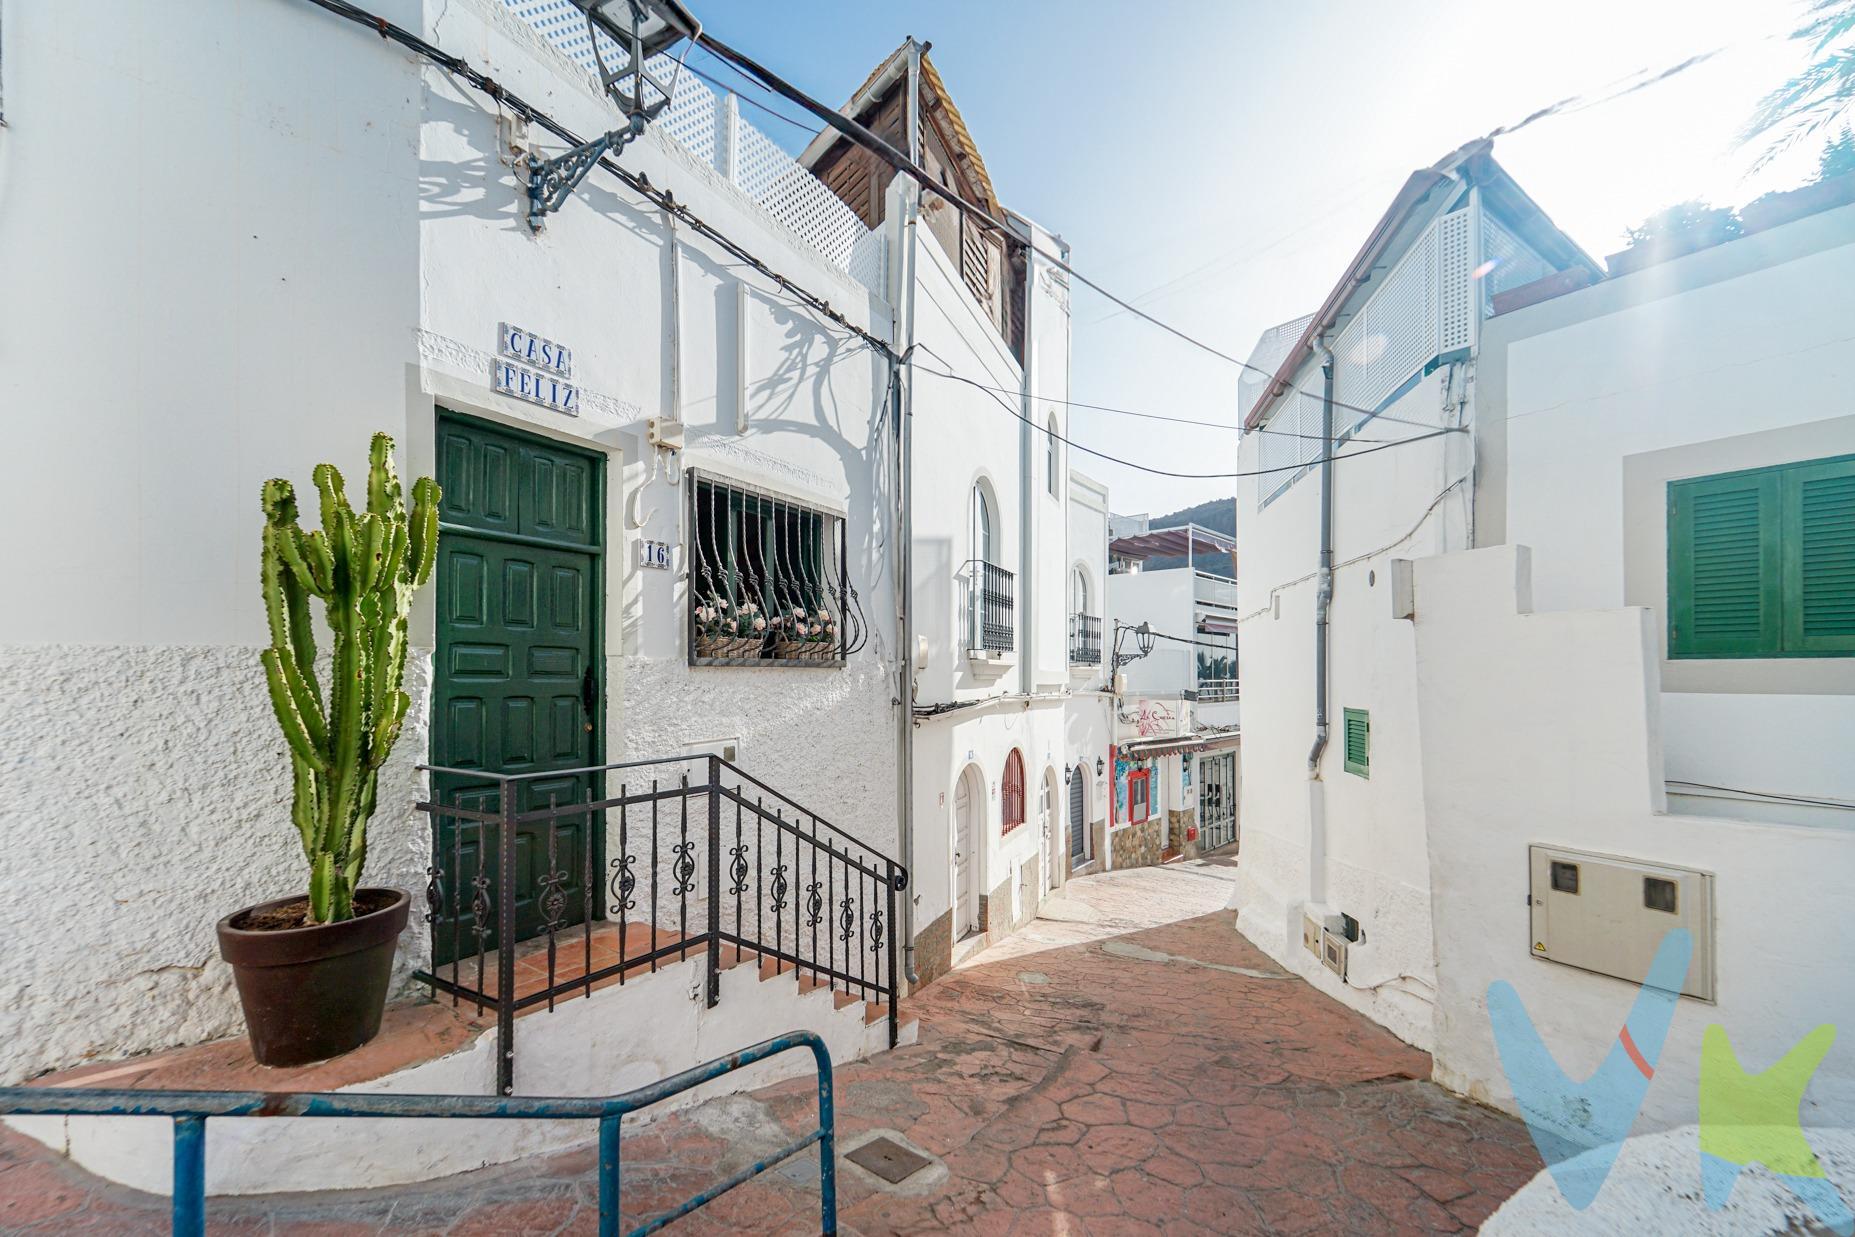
(1126, 1064)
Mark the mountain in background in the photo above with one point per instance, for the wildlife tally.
(1218, 515)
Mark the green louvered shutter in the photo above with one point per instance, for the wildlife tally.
(1725, 575)
(1819, 558)
(1357, 727)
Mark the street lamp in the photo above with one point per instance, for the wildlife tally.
(642, 28)
(1143, 640)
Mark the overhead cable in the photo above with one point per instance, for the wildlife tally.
(488, 86)
(1162, 472)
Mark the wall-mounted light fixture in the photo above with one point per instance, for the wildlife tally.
(1143, 641)
(642, 28)
(1100, 768)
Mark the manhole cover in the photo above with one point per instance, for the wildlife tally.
(888, 1159)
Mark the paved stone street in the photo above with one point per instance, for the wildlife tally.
(1128, 1064)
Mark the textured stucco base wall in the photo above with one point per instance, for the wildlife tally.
(148, 795)
(825, 738)
(934, 950)
(1137, 845)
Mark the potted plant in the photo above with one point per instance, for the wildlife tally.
(729, 629)
(312, 969)
(802, 635)
(1684, 228)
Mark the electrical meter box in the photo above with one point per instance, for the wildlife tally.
(1607, 914)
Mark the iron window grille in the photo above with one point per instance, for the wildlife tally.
(768, 580)
(990, 623)
(1085, 640)
(1011, 792)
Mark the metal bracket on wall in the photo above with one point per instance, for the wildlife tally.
(552, 181)
(647, 27)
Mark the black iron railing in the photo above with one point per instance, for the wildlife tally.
(680, 858)
(1084, 640)
(990, 622)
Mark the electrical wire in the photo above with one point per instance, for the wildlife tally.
(1162, 472)
(1843, 804)
(490, 88)
(1160, 635)
(1156, 416)
(749, 99)
(856, 132)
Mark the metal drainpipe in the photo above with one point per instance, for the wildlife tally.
(1323, 605)
(1323, 595)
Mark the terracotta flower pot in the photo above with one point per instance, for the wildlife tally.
(313, 992)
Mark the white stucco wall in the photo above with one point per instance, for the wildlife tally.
(1345, 843)
(346, 273)
(1734, 357)
(598, 279)
(1544, 728)
(165, 346)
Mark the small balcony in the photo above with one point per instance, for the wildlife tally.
(1085, 640)
(1218, 593)
(991, 615)
(1216, 691)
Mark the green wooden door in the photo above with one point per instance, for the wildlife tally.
(519, 677)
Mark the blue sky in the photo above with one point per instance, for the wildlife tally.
(1220, 162)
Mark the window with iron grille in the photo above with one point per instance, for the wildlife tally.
(766, 579)
(1761, 563)
(1011, 791)
(1357, 725)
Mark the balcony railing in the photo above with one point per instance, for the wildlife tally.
(990, 621)
(1084, 640)
(1213, 691)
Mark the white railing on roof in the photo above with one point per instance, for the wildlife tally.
(707, 124)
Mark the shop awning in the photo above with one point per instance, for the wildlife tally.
(1203, 741)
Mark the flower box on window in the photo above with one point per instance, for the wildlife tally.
(767, 580)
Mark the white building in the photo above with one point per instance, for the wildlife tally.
(729, 434)
(1324, 834)
(1483, 703)
(1186, 657)
(1002, 729)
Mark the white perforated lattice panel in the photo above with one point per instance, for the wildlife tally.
(1391, 337)
(1456, 259)
(701, 122)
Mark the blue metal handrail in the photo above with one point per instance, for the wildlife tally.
(190, 1109)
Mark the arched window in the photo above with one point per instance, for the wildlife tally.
(1050, 464)
(982, 526)
(1078, 592)
(1011, 792)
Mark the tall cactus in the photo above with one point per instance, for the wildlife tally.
(365, 567)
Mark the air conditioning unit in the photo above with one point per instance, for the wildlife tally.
(1310, 934)
(1607, 914)
(1333, 951)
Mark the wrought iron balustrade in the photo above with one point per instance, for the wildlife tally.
(190, 1111)
(1212, 691)
(1084, 640)
(990, 622)
(670, 859)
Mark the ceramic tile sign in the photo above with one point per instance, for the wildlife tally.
(533, 368)
(655, 554)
